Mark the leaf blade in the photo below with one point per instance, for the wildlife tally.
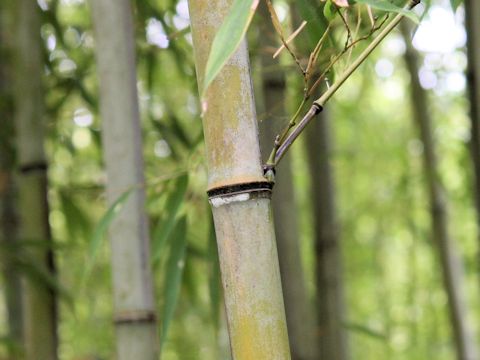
(366, 331)
(455, 4)
(77, 221)
(102, 227)
(387, 6)
(228, 38)
(164, 228)
(329, 10)
(173, 275)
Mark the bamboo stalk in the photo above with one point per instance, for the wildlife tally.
(450, 262)
(240, 199)
(135, 324)
(39, 303)
(8, 209)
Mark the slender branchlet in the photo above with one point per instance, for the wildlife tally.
(345, 22)
(361, 58)
(288, 136)
(342, 53)
(278, 29)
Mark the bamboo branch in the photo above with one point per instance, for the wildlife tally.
(339, 56)
(278, 29)
(318, 104)
(345, 22)
(290, 38)
(239, 196)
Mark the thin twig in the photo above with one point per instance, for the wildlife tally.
(280, 138)
(370, 15)
(313, 59)
(290, 38)
(278, 29)
(357, 30)
(361, 58)
(318, 104)
(337, 58)
(349, 33)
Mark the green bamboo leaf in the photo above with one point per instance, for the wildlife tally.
(190, 280)
(387, 6)
(316, 26)
(228, 37)
(316, 23)
(102, 227)
(78, 223)
(173, 275)
(364, 330)
(165, 226)
(455, 4)
(329, 10)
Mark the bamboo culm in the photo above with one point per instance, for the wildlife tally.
(134, 311)
(240, 198)
(8, 208)
(39, 303)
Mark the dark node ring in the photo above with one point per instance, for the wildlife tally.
(318, 108)
(31, 167)
(257, 186)
(134, 316)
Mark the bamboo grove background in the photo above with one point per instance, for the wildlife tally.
(363, 277)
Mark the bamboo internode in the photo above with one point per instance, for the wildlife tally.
(243, 221)
(136, 331)
(39, 304)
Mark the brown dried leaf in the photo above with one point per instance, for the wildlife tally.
(275, 20)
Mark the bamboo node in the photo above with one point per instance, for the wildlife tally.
(134, 316)
(253, 189)
(33, 167)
